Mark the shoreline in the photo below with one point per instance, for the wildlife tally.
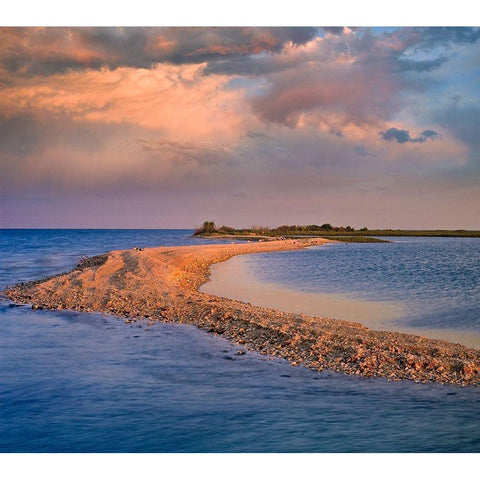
(161, 284)
(233, 279)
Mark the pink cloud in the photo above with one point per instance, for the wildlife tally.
(177, 102)
(285, 125)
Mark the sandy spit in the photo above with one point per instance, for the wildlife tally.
(161, 284)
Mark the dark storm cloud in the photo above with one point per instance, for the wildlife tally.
(45, 51)
(403, 136)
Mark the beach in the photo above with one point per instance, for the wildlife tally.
(162, 284)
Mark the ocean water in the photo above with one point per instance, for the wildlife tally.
(75, 382)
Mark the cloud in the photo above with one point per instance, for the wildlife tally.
(19, 134)
(129, 126)
(47, 51)
(177, 102)
(431, 37)
(358, 75)
(409, 65)
(462, 118)
(350, 76)
(331, 80)
(403, 136)
(333, 30)
(287, 118)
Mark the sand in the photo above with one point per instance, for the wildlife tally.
(161, 284)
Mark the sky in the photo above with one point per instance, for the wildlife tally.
(150, 127)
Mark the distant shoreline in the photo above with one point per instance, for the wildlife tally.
(369, 234)
(210, 230)
(161, 284)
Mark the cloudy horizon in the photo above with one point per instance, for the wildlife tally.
(150, 127)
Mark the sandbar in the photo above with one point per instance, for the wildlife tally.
(162, 284)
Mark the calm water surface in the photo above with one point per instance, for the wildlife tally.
(435, 280)
(424, 286)
(74, 382)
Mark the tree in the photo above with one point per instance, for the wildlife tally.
(208, 227)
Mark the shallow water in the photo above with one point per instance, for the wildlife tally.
(236, 279)
(427, 286)
(75, 382)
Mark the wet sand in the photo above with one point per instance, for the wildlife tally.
(234, 279)
(161, 284)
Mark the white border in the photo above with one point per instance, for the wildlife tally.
(240, 466)
(240, 13)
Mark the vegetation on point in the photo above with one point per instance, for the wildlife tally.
(325, 230)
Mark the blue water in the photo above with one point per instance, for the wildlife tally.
(75, 382)
(32, 254)
(437, 280)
